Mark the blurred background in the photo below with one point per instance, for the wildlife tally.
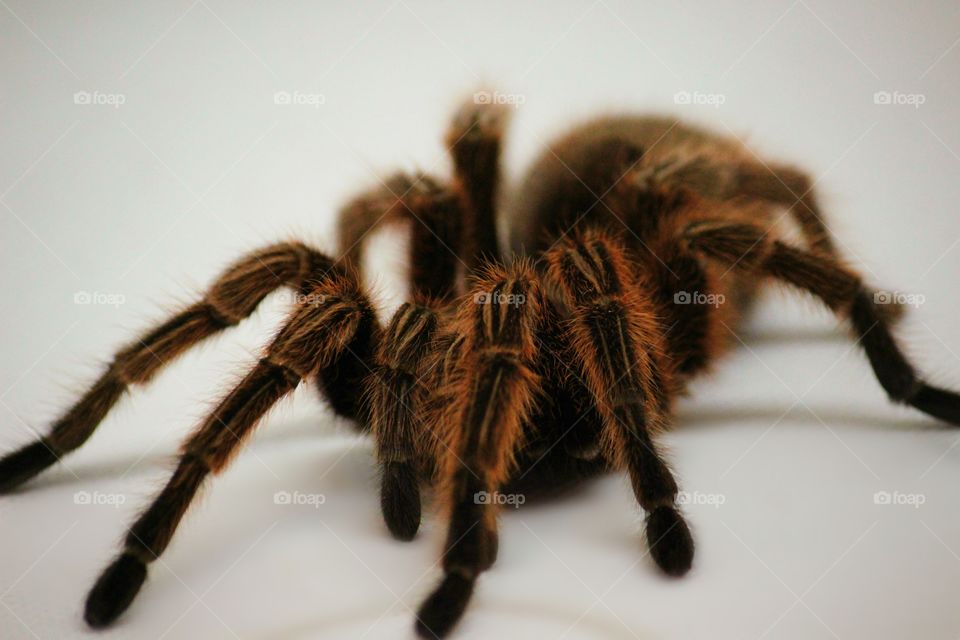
(146, 145)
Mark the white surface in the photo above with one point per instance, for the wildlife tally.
(150, 199)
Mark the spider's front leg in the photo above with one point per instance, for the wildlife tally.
(395, 396)
(333, 324)
(394, 387)
(431, 211)
(451, 227)
(475, 137)
(620, 353)
(493, 386)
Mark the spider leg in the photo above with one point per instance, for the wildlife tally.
(233, 296)
(620, 355)
(842, 290)
(495, 389)
(791, 188)
(393, 387)
(394, 397)
(475, 137)
(432, 211)
(445, 224)
(323, 328)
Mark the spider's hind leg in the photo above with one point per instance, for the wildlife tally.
(748, 248)
(233, 296)
(792, 189)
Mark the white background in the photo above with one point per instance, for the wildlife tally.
(150, 199)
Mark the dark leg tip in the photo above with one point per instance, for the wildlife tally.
(400, 499)
(441, 611)
(114, 591)
(477, 119)
(19, 466)
(671, 544)
(938, 403)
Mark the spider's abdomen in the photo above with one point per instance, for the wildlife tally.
(575, 182)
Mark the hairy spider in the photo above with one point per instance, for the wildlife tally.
(521, 370)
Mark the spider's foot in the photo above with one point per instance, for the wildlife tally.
(19, 466)
(400, 499)
(114, 591)
(443, 608)
(938, 403)
(671, 544)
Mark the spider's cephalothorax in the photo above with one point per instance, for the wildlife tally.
(507, 371)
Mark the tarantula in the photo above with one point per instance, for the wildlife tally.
(520, 370)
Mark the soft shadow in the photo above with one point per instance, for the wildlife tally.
(69, 472)
(783, 336)
(330, 623)
(832, 416)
